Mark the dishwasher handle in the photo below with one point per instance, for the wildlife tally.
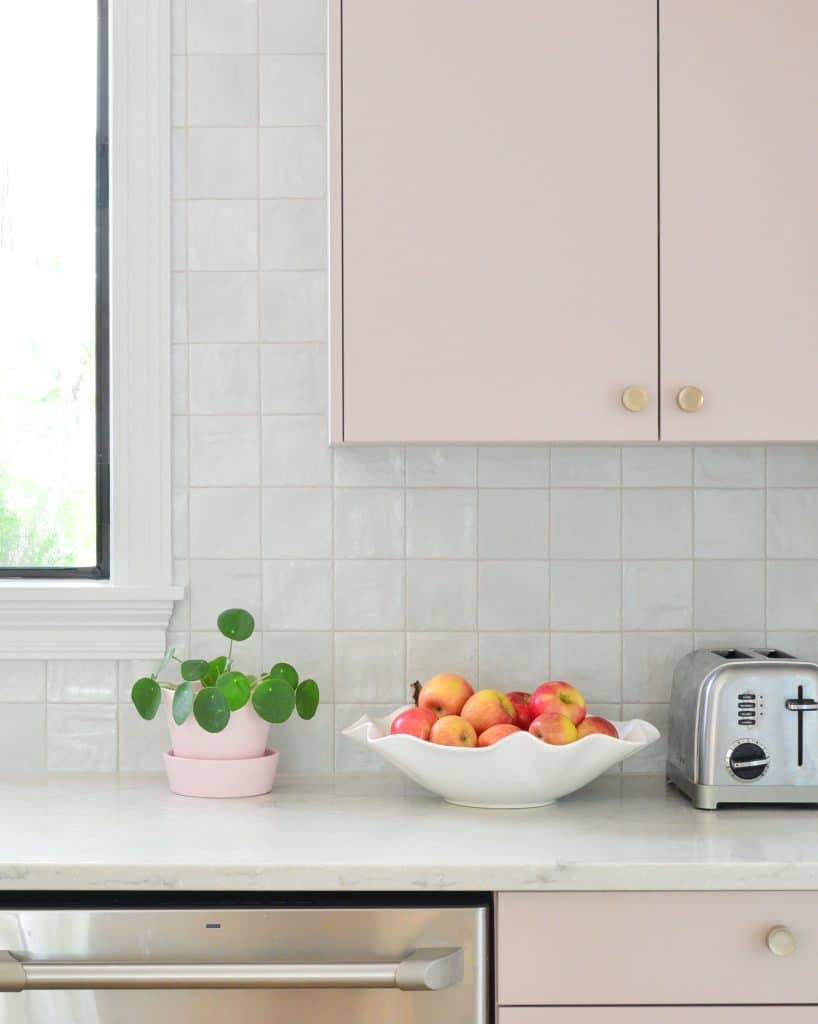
(423, 970)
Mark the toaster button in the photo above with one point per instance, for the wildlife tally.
(746, 704)
(746, 696)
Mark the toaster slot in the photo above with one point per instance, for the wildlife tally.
(774, 654)
(733, 654)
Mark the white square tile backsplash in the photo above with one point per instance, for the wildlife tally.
(372, 567)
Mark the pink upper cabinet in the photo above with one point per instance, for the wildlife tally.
(494, 219)
(739, 218)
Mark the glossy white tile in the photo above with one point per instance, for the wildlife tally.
(292, 26)
(297, 594)
(657, 595)
(222, 26)
(441, 594)
(224, 379)
(513, 595)
(224, 451)
(441, 466)
(586, 596)
(293, 162)
(223, 306)
(293, 234)
(371, 667)
(222, 162)
(369, 594)
(441, 523)
(222, 234)
(296, 522)
(223, 90)
(369, 522)
(294, 306)
(295, 451)
(292, 90)
(225, 522)
(513, 523)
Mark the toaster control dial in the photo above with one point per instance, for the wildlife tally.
(748, 761)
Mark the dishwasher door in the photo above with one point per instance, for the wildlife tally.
(255, 964)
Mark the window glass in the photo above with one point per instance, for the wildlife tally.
(53, 306)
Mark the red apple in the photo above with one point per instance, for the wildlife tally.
(453, 731)
(593, 723)
(487, 708)
(553, 728)
(558, 698)
(522, 707)
(495, 733)
(445, 694)
(414, 722)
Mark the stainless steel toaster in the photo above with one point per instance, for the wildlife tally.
(744, 728)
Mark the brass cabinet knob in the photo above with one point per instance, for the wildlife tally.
(635, 399)
(780, 940)
(690, 399)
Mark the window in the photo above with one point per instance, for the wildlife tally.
(54, 500)
(79, 602)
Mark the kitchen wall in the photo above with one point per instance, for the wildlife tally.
(373, 567)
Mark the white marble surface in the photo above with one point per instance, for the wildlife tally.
(108, 832)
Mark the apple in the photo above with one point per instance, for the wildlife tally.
(414, 722)
(594, 723)
(445, 694)
(522, 707)
(487, 708)
(453, 731)
(558, 698)
(553, 728)
(495, 733)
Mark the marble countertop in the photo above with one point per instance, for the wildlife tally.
(129, 832)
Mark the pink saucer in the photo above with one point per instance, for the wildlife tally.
(250, 776)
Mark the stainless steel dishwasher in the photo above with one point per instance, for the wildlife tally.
(296, 959)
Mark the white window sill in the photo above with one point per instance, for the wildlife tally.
(83, 619)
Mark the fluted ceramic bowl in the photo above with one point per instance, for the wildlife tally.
(519, 771)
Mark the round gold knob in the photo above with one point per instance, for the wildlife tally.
(635, 399)
(780, 940)
(690, 399)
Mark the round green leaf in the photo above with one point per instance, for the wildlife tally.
(306, 698)
(286, 672)
(274, 700)
(182, 703)
(146, 695)
(236, 688)
(214, 670)
(168, 658)
(194, 670)
(210, 709)
(236, 624)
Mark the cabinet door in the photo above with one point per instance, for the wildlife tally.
(659, 1015)
(739, 217)
(494, 219)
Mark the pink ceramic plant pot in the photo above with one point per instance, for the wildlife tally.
(250, 776)
(245, 735)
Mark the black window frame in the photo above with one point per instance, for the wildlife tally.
(102, 569)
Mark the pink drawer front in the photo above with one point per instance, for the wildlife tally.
(658, 1015)
(587, 949)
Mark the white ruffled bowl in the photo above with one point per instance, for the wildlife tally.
(519, 771)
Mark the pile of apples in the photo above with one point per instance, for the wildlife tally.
(449, 712)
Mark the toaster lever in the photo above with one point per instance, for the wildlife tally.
(802, 705)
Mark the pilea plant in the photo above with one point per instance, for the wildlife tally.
(222, 689)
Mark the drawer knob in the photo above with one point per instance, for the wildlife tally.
(780, 940)
(690, 399)
(635, 398)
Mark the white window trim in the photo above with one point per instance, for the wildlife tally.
(126, 616)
